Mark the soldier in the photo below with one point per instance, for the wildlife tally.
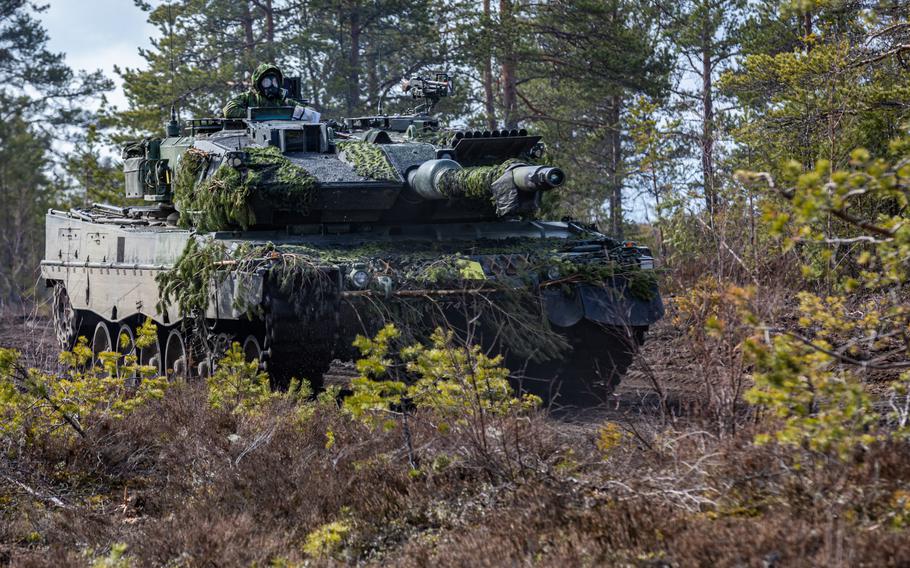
(266, 91)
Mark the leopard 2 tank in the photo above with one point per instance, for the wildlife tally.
(292, 237)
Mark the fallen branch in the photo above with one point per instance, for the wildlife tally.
(55, 501)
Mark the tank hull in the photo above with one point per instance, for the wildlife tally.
(108, 274)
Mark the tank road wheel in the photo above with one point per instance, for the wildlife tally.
(101, 342)
(252, 350)
(66, 328)
(69, 323)
(126, 346)
(215, 348)
(175, 355)
(151, 356)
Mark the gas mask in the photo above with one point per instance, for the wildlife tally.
(270, 86)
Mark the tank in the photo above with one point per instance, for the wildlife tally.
(291, 237)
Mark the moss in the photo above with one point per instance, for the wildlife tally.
(368, 160)
(227, 198)
(473, 182)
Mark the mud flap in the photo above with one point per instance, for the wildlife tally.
(605, 305)
(563, 309)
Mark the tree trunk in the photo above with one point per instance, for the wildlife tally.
(249, 41)
(270, 30)
(807, 29)
(487, 77)
(615, 166)
(373, 81)
(707, 138)
(352, 98)
(507, 74)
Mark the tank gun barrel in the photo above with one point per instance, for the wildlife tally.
(429, 180)
(516, 189)
(537, 178)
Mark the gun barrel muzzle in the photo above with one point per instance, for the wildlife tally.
(538, 178)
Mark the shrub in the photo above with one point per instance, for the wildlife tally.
(327, 540)
(444, 377)
(237, 384)
(35, 404)
(457, 386)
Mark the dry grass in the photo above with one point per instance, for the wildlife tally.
(181, 484)
(666, 479)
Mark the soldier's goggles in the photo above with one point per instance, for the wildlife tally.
(269, 81)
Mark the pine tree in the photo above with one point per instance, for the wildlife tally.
(705, 33)
(40, 99)
(594, 59)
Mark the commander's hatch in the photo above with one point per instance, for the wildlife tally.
(274, 126)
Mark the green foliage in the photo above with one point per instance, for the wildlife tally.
(510, 300)
(442, 138)
(640, 284)
(327, 540)
(448, 379)
(810, 370)
(845, 194)
(98, 178)
(42, 101)
(189, 171)
(34, 404)
(368, 160)
(26, 188)
(238, 385)
(188, 281)
(473, 182)
(228, 197)
(821, 409)
(185, 68)
(116, 558)
(452, 379)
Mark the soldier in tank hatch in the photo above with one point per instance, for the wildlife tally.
(266, 91)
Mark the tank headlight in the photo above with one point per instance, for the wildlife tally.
(553, 273)
(646, 263)
(359, 278)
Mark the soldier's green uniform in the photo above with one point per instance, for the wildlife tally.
(259, 95)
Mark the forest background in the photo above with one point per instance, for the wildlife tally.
(651, 106)
(767, 140)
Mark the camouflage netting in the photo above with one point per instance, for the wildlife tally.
(439, 138)
(368, 160)
(226, 198)
(426, 276)
(474, 182)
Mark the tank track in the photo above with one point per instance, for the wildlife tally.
(590, 372)
(294, 348)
